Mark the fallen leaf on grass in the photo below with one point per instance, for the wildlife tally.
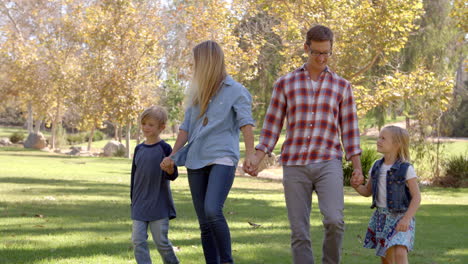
(254, 225)
(359, 238)
(231, 213)
(176, 249)
(39, 216)
(38, 226)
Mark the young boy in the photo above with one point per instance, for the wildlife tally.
(150, 194)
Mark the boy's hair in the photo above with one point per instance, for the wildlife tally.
(400, 136)
(158, 113)
(319, 33)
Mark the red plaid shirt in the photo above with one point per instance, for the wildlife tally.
(316, 118)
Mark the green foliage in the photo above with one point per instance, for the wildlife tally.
(76, 138)
(368, 156)
(98, 135)
(16, 137)
(120, 153)
(456, 172)
(61, 137)
(172, 98)
(83, 137)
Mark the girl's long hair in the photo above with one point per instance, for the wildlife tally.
(208, 73)
(400, 136)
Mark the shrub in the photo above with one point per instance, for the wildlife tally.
(120, 152)
(456, 172)
(77, 138)
(16, 137)
(61, 137)
(98, 135)
(368, 156)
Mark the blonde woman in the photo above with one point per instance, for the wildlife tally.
(208, 145)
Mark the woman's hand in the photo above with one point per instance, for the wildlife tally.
(167, 165)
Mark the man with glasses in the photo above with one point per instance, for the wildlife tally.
(320, 112)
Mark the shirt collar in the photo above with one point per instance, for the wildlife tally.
(303, 68)
(228, 80)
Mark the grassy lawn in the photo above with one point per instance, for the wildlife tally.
(56, 209)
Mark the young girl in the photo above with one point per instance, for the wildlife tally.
(395, 192)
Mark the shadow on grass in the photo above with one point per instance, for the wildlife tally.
(267, 244)
(66, 187)
(22, 255)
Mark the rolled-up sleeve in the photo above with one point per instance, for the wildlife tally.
(349, 124)
(243, 108)
(186, 123)
(274, 119)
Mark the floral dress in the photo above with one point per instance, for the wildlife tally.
(381, 233)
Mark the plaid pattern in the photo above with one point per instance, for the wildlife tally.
(316, 118)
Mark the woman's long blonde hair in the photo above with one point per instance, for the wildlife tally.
(208, 73)
(400, 136)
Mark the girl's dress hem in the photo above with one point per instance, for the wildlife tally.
(381, 233)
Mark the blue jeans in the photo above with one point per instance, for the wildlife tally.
(210, 187)
(159, 230)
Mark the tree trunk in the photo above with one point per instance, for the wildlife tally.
(30, 118)
(90, 139)
(138, 135)
(407, 119)
(120, 133)
(37, 125)
(55, 121)
(116, 131)
(53, 132)
(127, 139)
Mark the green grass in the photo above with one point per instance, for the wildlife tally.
(84, 204)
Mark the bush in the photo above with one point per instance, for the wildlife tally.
(77, 138)
(368, 156)
(120, 153)
(16, 137)
(61, 137)
(98, 135)
(456, 172)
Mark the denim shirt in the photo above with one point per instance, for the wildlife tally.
(398, 194)
(229, 110)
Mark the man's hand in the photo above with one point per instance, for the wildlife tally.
(251, 164)
(357, 178)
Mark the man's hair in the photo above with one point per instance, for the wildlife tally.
(319, 33)
(158, 113)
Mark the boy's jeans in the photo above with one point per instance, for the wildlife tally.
(210, 187)
(159, 230)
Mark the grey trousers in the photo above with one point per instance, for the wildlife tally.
(326, 179)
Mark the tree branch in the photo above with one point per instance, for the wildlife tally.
(367, 67)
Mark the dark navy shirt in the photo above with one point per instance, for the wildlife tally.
(150, 191)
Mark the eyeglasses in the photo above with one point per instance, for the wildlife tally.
(317, 53)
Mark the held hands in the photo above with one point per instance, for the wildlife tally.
(357, 178)
(167, 165)
(251, 163)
